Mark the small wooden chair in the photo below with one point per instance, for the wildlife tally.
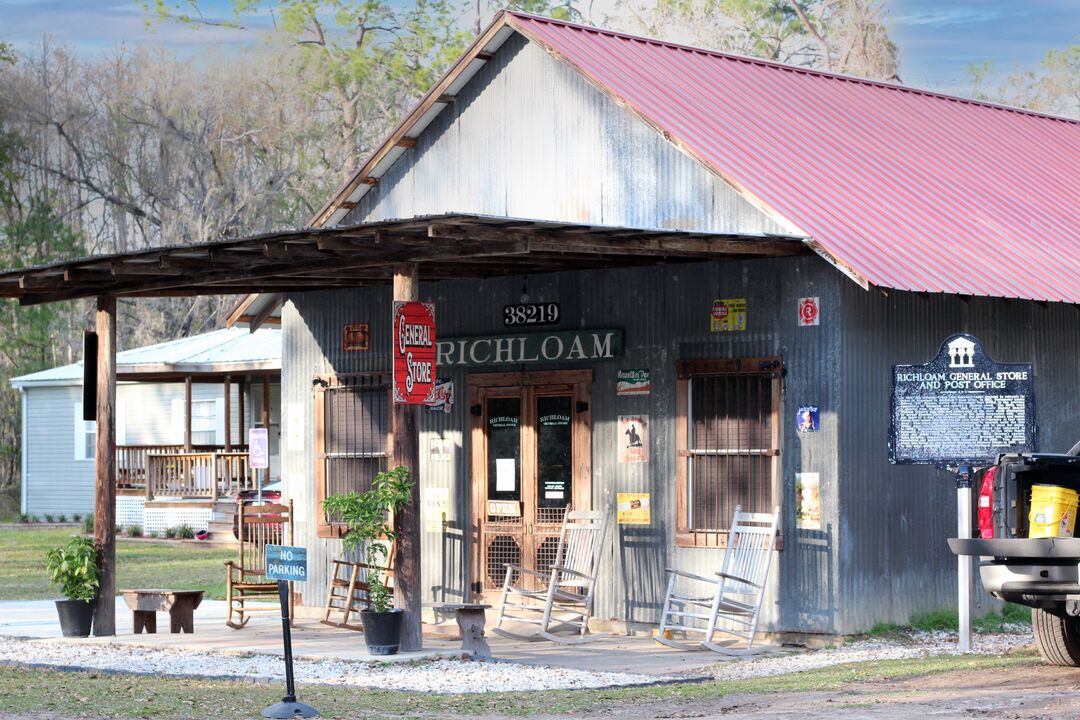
(566, 595)
(737, 590)
(347, 591)
(257, 527)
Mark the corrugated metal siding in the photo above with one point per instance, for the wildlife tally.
(895, 561)
(664, 312)
(531, 138)
(876, 173)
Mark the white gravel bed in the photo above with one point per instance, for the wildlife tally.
(922, 644)
(439, 676)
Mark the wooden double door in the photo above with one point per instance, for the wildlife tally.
(531, 462)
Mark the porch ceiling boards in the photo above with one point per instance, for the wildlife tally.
(444, 247)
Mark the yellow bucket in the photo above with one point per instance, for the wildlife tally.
(1053, 511)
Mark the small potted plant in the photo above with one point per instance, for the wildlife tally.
(73, 568)
(367, 517)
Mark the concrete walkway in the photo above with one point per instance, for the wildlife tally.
(37, 619)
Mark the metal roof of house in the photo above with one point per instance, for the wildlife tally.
(220, 351)
(900, 188)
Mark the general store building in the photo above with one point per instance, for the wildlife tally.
(756, 244)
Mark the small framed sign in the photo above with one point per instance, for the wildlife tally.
(414, 352)
(530, 314)
(286, 562)
(356, 337)
(258, 448)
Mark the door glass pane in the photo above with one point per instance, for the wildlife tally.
(504, 448)
(554, 453)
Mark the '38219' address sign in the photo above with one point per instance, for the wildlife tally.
(414, 352)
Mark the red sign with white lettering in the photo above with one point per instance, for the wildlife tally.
(414, 352)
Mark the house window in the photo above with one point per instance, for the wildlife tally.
(727, 433)
(204, 422)
(352, 437)
(85, 437)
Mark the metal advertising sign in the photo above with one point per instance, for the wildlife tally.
(632, 382)
(414, 352)
(286, 562)
(633, 508)
(728, 315)
(961, 408)
(258, 448)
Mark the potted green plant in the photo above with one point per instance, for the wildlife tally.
(367, 517)
(73, 568)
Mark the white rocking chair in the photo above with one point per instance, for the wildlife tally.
(732, 608)
(565, 597)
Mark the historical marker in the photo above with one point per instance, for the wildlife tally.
(961, 408)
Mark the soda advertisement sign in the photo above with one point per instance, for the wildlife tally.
(414, 352)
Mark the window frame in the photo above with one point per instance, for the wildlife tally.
(771, 367)
(320, 384)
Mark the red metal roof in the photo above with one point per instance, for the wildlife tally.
(902, 188)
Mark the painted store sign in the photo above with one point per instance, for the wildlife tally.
(550, 347)
(414, 352)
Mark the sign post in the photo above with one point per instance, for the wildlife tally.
(286, 564)
(958, 411)
(258, 454)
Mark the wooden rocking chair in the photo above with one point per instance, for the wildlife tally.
(564, 594)
(348, 589)
(257, 527)
(737, 590)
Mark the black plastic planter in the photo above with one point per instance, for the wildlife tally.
(382, 631)
(76, 617)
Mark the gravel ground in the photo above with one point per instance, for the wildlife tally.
(462, 676)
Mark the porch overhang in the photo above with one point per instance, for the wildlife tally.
(444, 247)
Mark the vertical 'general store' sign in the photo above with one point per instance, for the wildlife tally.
(414, 352)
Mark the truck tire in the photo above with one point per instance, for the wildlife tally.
(1058, 638)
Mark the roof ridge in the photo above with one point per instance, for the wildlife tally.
(830, 75)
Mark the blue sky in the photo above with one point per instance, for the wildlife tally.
(938, 38)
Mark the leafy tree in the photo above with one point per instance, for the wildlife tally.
(370, 59)
(1053, 87)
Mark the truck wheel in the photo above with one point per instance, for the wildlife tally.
(1058, 638)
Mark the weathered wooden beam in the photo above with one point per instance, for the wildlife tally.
(405, 142)
(406, 451)
(105, 468)
(260, 318)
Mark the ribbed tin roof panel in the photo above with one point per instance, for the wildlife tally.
(908, 189)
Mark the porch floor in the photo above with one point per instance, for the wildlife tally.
(312, 639)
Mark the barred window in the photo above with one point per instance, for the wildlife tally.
(728, 444)
(352, 437)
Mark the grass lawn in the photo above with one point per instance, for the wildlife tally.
(89, 694)
(138, 564)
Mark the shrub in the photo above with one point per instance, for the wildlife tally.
(134, 531)
(33, 519)
(184, 532)
(24, 518)
(151, 534)
(88, 524)
(73, 568)
(76, 518)
(49, 517)
(62, 518)
(170, 532)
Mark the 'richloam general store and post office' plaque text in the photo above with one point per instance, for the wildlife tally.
(961, 408)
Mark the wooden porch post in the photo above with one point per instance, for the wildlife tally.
(407, 591)
(187, 414)
(228, 413)
(240, 398)
(105, 468)
(266, 418)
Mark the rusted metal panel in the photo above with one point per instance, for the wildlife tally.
(528, 137)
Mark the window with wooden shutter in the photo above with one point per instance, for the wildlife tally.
(728, 436)
(353, 437)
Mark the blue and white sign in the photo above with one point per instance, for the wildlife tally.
(258, 448)
(286, 562)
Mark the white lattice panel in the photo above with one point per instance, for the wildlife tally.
(159, 519)
(130, 510)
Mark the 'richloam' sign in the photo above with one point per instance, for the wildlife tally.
(961, 408)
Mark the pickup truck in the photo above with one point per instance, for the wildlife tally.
(1041, 573)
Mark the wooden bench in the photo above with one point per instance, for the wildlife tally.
(180, 605)
(471, 618)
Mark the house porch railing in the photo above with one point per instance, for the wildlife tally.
(207, 471)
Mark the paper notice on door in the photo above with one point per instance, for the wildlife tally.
(505, 475)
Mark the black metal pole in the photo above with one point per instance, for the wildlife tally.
(288, 707)
(286, 633)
